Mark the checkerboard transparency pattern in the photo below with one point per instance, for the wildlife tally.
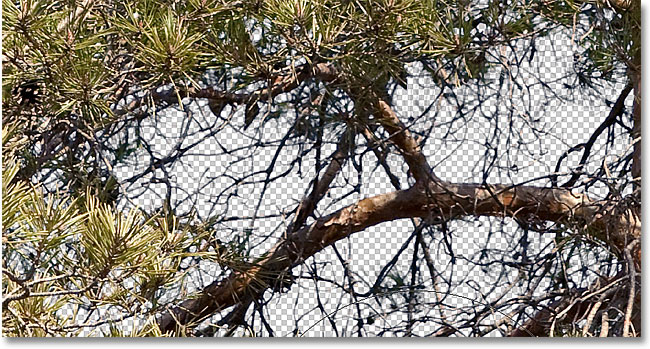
(456, 149)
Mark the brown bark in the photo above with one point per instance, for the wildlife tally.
(402, 138)
(604, 294)
(456, 201)
(428, 198)
(320, 71)
(540, 325)
(308, 204)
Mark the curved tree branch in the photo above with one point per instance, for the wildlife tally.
(458, 200)
(428, 198)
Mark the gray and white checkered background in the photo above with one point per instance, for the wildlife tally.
(454, 149)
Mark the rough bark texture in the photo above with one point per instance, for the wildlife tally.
(455, 201)
(402, 138)
(429, 198)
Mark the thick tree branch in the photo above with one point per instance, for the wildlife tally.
(457, 200)
(305, 209)
(309, 202)
(321, 71)
(447, 201)
(400, 135)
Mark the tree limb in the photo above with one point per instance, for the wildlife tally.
(456, 201)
